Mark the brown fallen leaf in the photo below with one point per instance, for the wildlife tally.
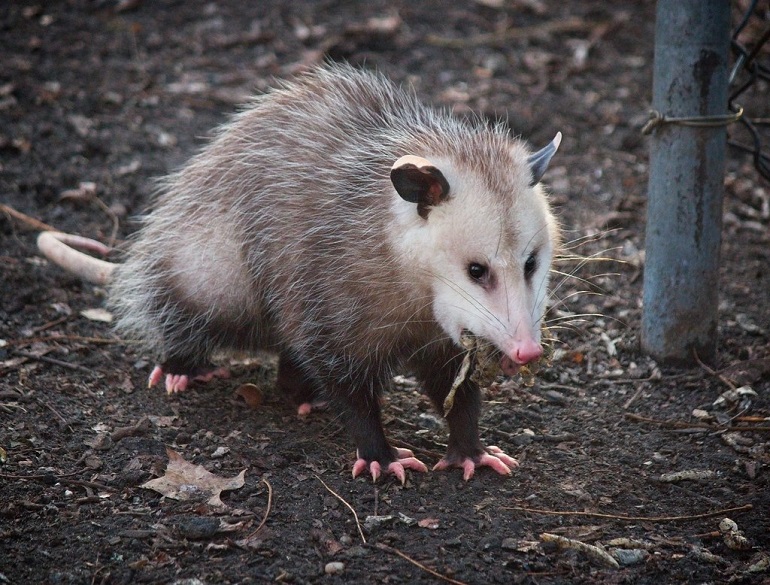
(185, 481)
(430, 523)
(251, 395)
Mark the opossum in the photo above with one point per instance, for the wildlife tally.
(356, 232)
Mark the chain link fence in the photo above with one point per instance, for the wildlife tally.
(751, 72)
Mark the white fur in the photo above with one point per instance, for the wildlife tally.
(472, 226)
(287, 233)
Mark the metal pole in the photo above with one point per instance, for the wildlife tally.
(684, 208)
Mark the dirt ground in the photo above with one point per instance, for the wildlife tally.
(616, 451)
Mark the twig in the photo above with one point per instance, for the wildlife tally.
(54, 361)
(713, 372)
(44, 477)
(525, 32)
(633, 398)
(33, 223)
(267, 510)
(84, 339)
(341, 499)
(50, 324)
(744, 508)
(113, 217)
(56, 413)
(418, 564)
(674, 424)
(598, 554)
(86, 484)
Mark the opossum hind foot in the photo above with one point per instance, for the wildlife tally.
(493, 457)
(179, 382)
(405, 459)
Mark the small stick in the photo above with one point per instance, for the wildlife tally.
(633, 398)
(54, 361)
(86, 484)
(341, 499)
(537, 31)
(56, 412)
(418, 564)
(113, 217)
(713, 372)
(50, 324)
(267, 510)
(44, 477)
(707, 427)
(96, 340)
(33, 223)
(596, 553)
(744, 508)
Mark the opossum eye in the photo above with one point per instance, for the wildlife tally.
(477, 272)
(530, 266)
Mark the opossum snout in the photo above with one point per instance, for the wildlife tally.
(522, 353)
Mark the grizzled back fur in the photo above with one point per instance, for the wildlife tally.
(285, 231)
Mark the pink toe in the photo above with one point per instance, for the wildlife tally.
(442, 465)
(176, 383)
(495, 463)
(304, 409)
(155, 376)
(375, 470)
(469, 468)
(358, 467)
(413, 463)
(397, 469)
(497, 452)
(403, 453)
(216, 373)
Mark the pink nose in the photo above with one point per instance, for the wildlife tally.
(526, 352)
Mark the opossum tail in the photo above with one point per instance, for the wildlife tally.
(59, 248)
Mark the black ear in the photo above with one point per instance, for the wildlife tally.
(416, 180)
(538, 162)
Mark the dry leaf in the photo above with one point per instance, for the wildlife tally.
(431, 523)
(185, 481)
(251, 395)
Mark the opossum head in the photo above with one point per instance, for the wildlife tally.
(480, 237)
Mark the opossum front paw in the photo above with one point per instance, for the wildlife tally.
(492, 457)
(306, 408)
(405, 459)
(179, 382)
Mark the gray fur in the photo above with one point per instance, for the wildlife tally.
(276, 235)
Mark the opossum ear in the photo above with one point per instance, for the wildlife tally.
(538, 162)
(418, 181)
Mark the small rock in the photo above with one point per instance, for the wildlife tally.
(197, 528)
(509, 544)
(334, 568)
(220, 452)
(429, 421)
(357, 552)
(489, 543)
(376, 522)
(629, 556)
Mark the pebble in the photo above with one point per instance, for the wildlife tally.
(334, 568)
(628, 556)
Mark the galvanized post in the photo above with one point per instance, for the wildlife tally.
(684, 208)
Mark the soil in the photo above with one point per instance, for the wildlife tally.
(120, 93)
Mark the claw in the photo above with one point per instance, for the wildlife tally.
(406, 460)
(306, 408)
(179, 382)
(155, 376)
(215, 373)
(358, 467)
(493, 457)
(176, 383)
